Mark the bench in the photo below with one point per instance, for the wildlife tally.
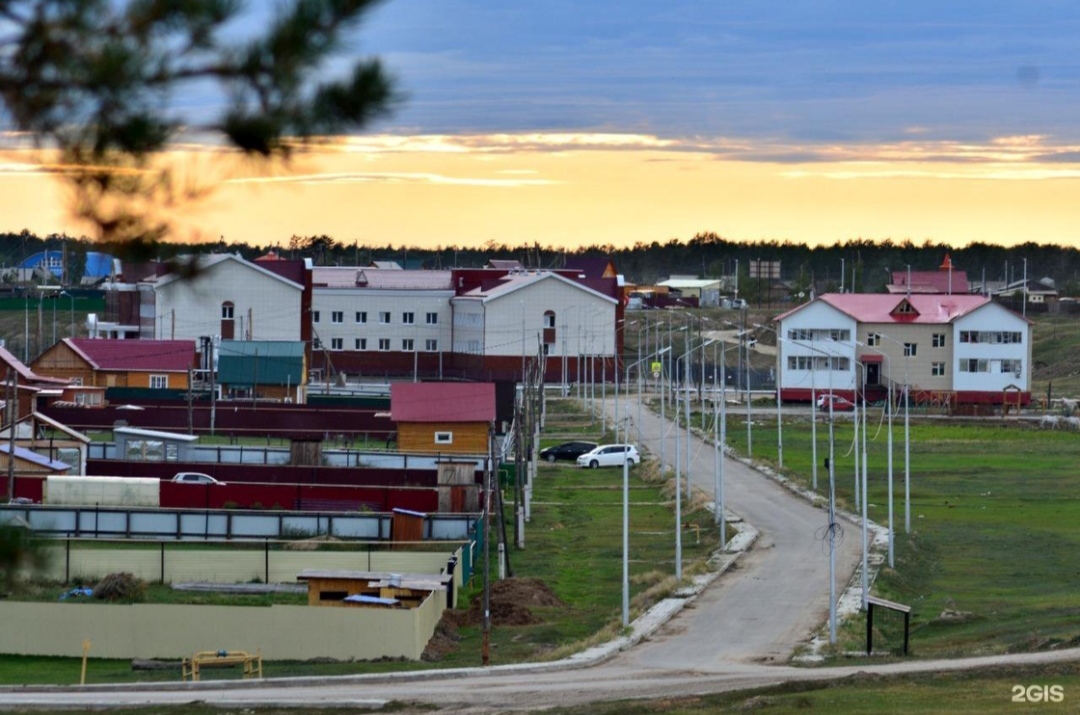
(252, 663)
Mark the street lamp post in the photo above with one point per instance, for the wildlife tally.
(907, 431)
(888, 369)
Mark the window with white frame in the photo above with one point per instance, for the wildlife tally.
(991, 336)
(911, 349)
(337, 343)
(432, 318)
(408, 318)
(407, 344)
(473, 346)
(75, 381)
(361, 316)
(549, 319)
(937, 369)
(431, 345)
(159, 382)
(444, 438)
(315, 316)
(337, 316)
(384, 344)
(547, 349)
(316, 344)
(939, 340)
(360, 344)
(384, 317)
(873, 340)
(226, 311)
(1013, 366)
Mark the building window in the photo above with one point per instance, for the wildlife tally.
(546, 349)
(226, 311)
(75, 381)
(910, 349)
(384, 344)
(974, 365)
(159, 382)
(840, 335)
(432, 318)
(444, 438)
(873, 340)
(1013, 366)
(384, 317)
(361, 316)
(549, 319)
(337, 343)
(316, 344)
(361, 343)
(431, 345)
(937, 369)
(991, 336)
(314, 316)
(337, 316)
(407, 345)
(408, 318)
(939, 340)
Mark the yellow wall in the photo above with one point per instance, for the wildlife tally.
(469, 437)
(173, 631)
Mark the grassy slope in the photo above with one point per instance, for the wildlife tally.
(994, 509)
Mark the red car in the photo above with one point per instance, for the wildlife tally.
(839, 404)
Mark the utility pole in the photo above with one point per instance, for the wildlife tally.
(190, 399)
(13, 416)
(485, 641)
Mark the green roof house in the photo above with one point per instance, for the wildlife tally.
(263, 369)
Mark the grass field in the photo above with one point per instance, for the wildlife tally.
(991, 563)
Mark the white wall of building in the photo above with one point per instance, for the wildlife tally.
(346, 315)
(189, 308)
(990, 321)
(584, 321)
(809, 333)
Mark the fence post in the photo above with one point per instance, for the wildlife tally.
(266, 559)
(163, 562)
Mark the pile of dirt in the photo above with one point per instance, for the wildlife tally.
(512, 601)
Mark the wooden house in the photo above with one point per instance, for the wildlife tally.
(443, 416)
(153, 364)
(371, 589)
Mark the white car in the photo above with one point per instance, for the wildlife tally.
(610, 455)
(194, 478)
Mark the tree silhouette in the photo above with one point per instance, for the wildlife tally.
(93, 81)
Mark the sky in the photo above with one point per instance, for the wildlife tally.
(597, 123)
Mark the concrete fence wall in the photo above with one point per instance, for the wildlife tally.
(235, 566)
(174, 631)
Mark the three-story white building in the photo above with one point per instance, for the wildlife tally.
(950, 349)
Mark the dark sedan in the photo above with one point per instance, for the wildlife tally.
(567, 450)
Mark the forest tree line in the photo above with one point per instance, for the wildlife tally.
(866, 263)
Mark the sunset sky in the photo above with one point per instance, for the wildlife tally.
(572, 123)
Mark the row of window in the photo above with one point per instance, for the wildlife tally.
(807, 362)
(991, 336)
(385, 318)
(937, 340)
(819, 334)
(384, 344)
(937, 369)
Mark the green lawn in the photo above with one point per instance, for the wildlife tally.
(994, 509)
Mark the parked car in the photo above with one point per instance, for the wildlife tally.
(567, 450)
(194, 478)
(839, 404)
(610, 455)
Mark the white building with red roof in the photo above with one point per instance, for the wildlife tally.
(947, 349)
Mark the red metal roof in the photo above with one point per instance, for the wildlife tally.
(146, 355)
(881, 307)
(442, 402)
(940, 281)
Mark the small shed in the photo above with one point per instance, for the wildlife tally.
(145, 445)
(28, 462)
(379, 589)
(446, 417)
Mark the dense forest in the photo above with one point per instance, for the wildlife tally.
(866, 263)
